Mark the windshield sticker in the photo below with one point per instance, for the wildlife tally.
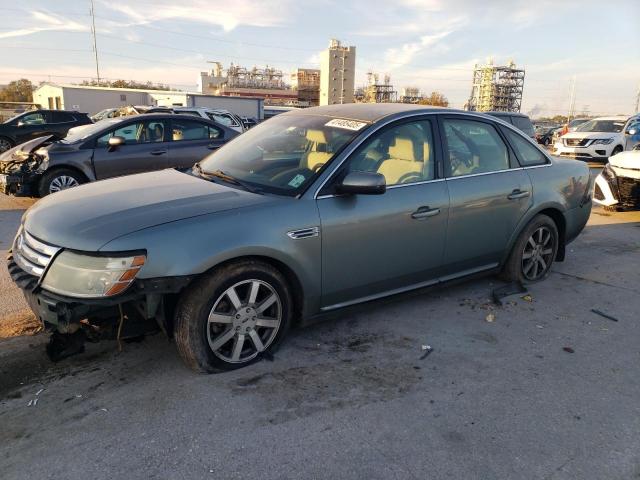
(346, 124)
(296, 181)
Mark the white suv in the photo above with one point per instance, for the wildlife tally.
(597, 139)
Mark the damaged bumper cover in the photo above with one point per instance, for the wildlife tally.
(57, 311)
(614, 189)
(20, 183)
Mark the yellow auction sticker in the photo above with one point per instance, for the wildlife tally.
(346, 124)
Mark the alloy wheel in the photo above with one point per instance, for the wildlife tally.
(538, 254)
(62, 183)
(244, 321)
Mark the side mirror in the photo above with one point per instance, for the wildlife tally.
(362, 183)
(20, 123)
(115, 142)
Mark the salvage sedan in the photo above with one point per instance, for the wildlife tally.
(306, 213)
(109, 148)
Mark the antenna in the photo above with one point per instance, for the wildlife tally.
(95, 44)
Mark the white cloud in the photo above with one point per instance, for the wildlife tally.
(233, 14)
(45, 21)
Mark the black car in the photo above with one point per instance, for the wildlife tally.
(544, 136)
(109, 148)
(37, 123)
(519, 120)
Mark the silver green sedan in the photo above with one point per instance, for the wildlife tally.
(306, 213)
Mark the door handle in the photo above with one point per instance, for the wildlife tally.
(425, 212)
(517, 193)
(159, 152)
(212, 146)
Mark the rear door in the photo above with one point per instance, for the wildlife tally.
(146, 148)
(61, 122)
(192, 140)
(489, 194)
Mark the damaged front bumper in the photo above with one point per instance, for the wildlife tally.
(612, 189)
(145, 299)
(20, 183)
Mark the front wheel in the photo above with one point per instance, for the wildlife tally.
(59, 179)
(5, 144)
(229, 318)
(533, 252)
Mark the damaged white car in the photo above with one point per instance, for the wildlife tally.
(618, 185)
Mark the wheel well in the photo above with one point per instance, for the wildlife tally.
(292, 279)
(9, 139)
(561, 225)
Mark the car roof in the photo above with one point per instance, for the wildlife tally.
(365, 112)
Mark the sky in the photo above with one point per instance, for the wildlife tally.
(429, 44)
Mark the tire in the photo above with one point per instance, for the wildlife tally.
(228, 340)
(616, 150)
(518, 267)
(5, 144)
(59, 179)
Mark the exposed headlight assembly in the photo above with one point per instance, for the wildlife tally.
(87, 276)
(602, 141)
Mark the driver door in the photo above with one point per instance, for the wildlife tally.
(377, 244)
(146, 148)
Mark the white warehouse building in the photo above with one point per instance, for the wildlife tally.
(93, 99)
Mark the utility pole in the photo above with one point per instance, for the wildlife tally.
(95, 44)
(637, 100)
(572, 99)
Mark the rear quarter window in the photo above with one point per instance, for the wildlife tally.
(528, 154)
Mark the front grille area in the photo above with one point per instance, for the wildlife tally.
(575, 142)
(629, 189)
(597, 194)
(32, 255)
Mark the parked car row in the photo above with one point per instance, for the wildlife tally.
(309, 212)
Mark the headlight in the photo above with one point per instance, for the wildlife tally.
(87, 276)
(602, 141)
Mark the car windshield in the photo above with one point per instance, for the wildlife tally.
(282, 155)
(609, 126)
(80, 134)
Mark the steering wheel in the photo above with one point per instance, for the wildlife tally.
(410, 177)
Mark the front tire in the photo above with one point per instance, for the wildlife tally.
(59, 179)
(230, 317)
(533, 252)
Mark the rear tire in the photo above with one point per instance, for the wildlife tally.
(222, 322)
(533, 252)
(59, 179)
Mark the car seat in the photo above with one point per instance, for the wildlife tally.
(316, 155)
(402, 164)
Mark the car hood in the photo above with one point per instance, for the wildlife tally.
(22, 151)
(629, 160)
(591, 135)
(87, 217)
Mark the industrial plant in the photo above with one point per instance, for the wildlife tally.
(496, 88)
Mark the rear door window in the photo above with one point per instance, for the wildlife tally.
(61, 117)
(473, 147)
(193, 130)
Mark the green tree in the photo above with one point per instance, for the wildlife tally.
(17, 91)
(126, 84)
(436, 99)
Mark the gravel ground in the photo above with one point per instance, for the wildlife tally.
(349, 397)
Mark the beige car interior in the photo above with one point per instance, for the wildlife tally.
(316, 155)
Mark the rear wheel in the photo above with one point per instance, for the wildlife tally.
(5, 144)
(534, 251)
(229, 318)
(59, 179)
